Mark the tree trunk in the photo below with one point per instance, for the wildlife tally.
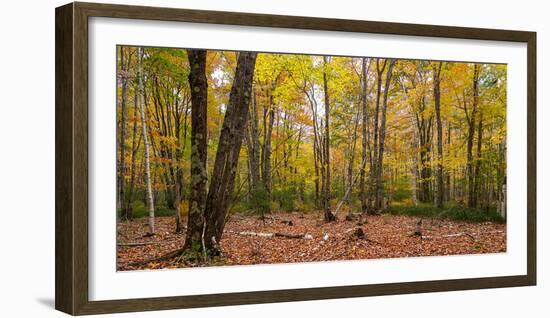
(199, 175)
(135, 145)
(364, 133)
(349, 186)
(414, 147)
(374, 163)
(122, 166)
(380, 164)
(141, 101)
(326, 199)
(472, 198)
(477, 177)
(437, 101)
(266, 173)
(229, 146)
(253, 144)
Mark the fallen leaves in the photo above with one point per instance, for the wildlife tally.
(290, 238)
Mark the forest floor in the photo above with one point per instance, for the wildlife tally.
(296, 237)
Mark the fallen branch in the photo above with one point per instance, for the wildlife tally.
(471, 235)
(130, 244)
(276, 234)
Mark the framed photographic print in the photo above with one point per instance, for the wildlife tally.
(218, 158)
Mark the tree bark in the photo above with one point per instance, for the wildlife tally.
(253, 144)
(380, 164)
(414, 147)
(199, 175)
(266, 173)
(437, 101)
(349, 186)
(472, 198)
(141, 101)
(364, 133)
(229, 146)
(122, 166)
(373, 184)
(329, 217)
(135, 146)
(477, 176)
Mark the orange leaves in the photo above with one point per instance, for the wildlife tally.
(384, 237)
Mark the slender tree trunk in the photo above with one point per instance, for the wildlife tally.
(374, 163)
(229, 146)
(471, 132)
(122, 167)
(328, 214)
(199, 175)
(477, 177)
(437, 101)
(448, 185)
(380, 164)
(317, 155)
(141, 101)
(266, 174)
(364, 133)
(178, 173)
(349, 186)
(414, 147)
(135, 145)
(253, 144)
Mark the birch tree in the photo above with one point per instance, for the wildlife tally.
(141, 101)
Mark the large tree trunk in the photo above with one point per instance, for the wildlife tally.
(229, 146)
(437, 101)
(326, 198)
(472, 197)
(380, 164)
(141, 101)
(199, 175)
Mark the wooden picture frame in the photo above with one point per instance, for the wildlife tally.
(71, 142)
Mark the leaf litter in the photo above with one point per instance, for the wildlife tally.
(296, 237)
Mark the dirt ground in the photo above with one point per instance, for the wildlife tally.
(306, 238)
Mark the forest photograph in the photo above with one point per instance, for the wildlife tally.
(242, 158)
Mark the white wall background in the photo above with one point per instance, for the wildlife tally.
(27, 157)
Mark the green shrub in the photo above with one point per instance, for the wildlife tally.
(259, 200)
(286, 198)
(451, 212)
(140, 210)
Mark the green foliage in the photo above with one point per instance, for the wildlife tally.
(140, 210)
(286, 198)
(401, 190)
(291, 86)
(259, 200)
(454, 212)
